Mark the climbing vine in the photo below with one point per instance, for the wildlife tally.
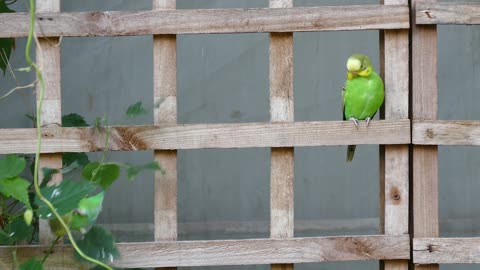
(71, 207)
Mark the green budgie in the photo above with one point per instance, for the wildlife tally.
(87, 212)
(363, 93)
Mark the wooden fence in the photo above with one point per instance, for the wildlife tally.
(282, 134)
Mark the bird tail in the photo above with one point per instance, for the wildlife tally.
(350, 152)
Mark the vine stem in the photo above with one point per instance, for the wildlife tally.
(39, 141)
(50, 250)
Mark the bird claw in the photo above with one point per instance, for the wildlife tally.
(368, 120)
(355, 121)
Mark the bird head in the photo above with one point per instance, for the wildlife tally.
(358, 65)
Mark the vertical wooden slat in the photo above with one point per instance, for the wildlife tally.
(281, 110)
(165, 98)
(424, 106)
(395, 164)
(48, 59)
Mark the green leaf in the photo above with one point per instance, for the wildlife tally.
(102, 174)
(17, 188)
(5, 239)
(15, 231)
(136, 110)
(73, 120)
(80, 158)
(4, 8)
(11, 166)
(64, 197)
(133, 171)
(32, 264)
(99, 244)
(20, 229)
(6, 44)
(48, 174)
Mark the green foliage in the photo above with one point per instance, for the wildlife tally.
(80, 158)
(11, 166)
(99, 244)
(47, 175)
(14, 231)
(133, 171)
(103, 174)
(136, 110)
(73, 120)
(64, 197)
(6, 44)
(32, 264)
(16, 188)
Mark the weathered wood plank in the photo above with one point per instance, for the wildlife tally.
(165, 99)
(48, 60)
(281, 110)
(424, 106)
(165, 113)
(200, 21)
(446, 132)
(396, 65)
(197, 136)
(448, 13)
(235, 252)
(395, 166)
(446, 250)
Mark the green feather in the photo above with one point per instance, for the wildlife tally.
(87, 212)
(362, 96)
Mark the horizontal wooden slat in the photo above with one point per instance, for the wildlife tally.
(246, 135)
(237, 252)
(448, 13)
(443, 132)
(201, 21)
(446, 250)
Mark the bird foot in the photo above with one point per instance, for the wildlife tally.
(368, 120)
(355, 121)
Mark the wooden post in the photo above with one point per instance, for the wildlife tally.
(394, 169)
(48, 59)
(165, 98)
(281, 110)
(424, 107)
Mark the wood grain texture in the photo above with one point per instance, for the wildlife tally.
(396, 80)
(424, 106)
(235, 252)
(448, 13)
(165, 113)
(446, 132)
(199, 136)
(48, 60)
(446, 250)
(281, 110)
(395, 165)
(198, 21)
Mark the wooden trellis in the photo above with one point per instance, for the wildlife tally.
(281, 19)
(428, 133)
